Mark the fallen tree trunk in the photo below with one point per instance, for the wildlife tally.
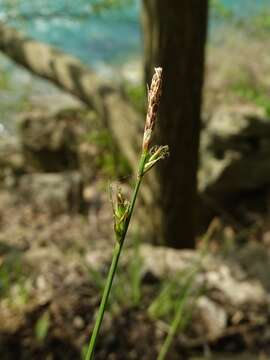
(70, 75)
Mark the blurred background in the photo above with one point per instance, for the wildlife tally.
(73, 96)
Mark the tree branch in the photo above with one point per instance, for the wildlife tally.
(70, 75)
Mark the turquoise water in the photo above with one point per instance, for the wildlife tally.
(243, 8)
(96, 38)
(112, 36)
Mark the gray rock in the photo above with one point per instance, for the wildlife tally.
(50, 142)
(11, 160)
(227, 294)
(235, 152)
(53, 192)
(209, 318)
(236, 288)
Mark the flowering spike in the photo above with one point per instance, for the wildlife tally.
(154, 95)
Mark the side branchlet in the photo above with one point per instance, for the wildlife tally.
(120, 211)
(156, 153)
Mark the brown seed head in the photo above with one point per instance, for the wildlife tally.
(154, 95)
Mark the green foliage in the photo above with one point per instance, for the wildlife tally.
(135, 275)
(219, 10)
(261, 21)
(257, 23)
(84, 351)
(164, 306)
(102, 5)
(4, 80)
(42, 327)
(13, 277)
(136, 94)
(100, 138)
(127, 288)
(180, 294)
(175, 305)
(10, 272)
(128, 285)
(110, 160)
(253, 94)
(174, 293)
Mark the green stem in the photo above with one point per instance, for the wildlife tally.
(169, 339)
(180, 318)
(104, 300)
(114, 263)
(136, 189)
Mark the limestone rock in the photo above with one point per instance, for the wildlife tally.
(235, 151)
(209, 318)
(235, 288)
(50, 142)
(53, 192)
(11, 160)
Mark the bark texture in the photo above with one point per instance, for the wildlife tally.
(174, 38)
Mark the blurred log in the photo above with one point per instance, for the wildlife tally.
(70, 75)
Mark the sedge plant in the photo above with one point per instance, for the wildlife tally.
(187, 300)
(122, 208)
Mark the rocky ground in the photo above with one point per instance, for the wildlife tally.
(53, 268)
